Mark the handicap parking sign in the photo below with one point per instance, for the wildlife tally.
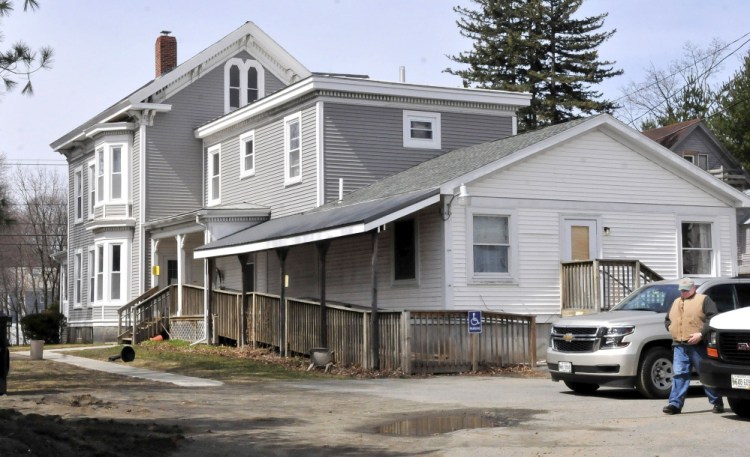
(475, 322)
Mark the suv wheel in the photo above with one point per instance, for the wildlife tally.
(582, 387)
(655, 373)
(740, 406)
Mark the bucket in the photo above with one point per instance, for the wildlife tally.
(37, 349)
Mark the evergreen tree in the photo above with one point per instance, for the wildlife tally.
(20, 61)
(731, 122)
(536, 46)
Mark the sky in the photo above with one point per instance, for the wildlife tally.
(104, 49)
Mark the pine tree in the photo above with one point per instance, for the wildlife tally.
(731, 122)
(536, 46)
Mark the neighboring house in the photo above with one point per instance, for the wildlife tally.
(486, 227)
(147, 188)
(695, 142)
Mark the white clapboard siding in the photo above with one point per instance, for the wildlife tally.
(591, 176)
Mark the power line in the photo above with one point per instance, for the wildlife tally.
(653, 108)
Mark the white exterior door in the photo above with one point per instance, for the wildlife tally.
(580, 239)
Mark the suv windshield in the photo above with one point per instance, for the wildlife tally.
(657, 298)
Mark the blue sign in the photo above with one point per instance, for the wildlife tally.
(475, 322)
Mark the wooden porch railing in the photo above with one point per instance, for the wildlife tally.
(598, 285)
(145, 316)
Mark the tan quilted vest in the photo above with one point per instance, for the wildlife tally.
(686, 317)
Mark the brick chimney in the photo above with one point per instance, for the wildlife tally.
(166, 53)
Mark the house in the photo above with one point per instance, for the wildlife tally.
(487, 226)
(695, 142)
(147, 188)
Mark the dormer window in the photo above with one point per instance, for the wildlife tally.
(244, 83)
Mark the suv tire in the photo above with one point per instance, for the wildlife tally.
(582, 387)
(740, 406)
(655, 373)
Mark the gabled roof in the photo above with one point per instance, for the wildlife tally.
(248, 37)
(413, 189)
(669, 135)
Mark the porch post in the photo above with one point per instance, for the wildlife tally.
(243, 325)
(180, 270)
(154, 262)
(211, 265)
(322, 251)
(374, 331)
(282, 253)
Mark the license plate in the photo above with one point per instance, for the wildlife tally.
(565, 367)
(740, 381)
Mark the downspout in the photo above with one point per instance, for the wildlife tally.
(142, 204)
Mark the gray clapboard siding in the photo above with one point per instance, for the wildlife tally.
(699, 142)
(267, 187)
(365, 143)
(348, 272)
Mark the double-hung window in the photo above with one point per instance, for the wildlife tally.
(244, 83)
(214, 175)
(422, 130)
(92, 188)
(78, 193)
(77, 271)
(247, 154)
(697, 248)
(92, 275)
(110, 170)
(108, 279)
(491, 246)
(293, 148)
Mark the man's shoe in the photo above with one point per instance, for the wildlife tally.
(671, 409)
(718, 408)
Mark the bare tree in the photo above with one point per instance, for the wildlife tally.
(684, 89)
(42, 220)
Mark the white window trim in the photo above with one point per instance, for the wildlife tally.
(105, 283)
(714, 244)
(243, 65)
(103, 194)
(406, 282)
(243, 153)
(421, 143)
(511, 277)
(78, 194)
(213, 150)
(91, 275)
(64, 288)
(91, 167)
(77, 272)
(296, 117)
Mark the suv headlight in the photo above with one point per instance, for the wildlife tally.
(613, 337)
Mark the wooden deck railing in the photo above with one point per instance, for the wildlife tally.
(598, 285)
(418, 342)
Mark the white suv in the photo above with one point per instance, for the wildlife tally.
(629, 346)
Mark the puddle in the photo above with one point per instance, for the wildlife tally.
(436, 423)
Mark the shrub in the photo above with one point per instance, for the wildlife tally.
(46, 326)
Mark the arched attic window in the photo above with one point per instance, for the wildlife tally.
(243, 83)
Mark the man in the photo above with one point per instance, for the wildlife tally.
(687, 321)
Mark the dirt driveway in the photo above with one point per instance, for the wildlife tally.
(54, 409)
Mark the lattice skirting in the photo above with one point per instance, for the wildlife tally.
(187, 330)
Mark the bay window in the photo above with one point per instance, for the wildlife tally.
(77, 271)
(92, 189)
(111, 261)
(111, 173)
